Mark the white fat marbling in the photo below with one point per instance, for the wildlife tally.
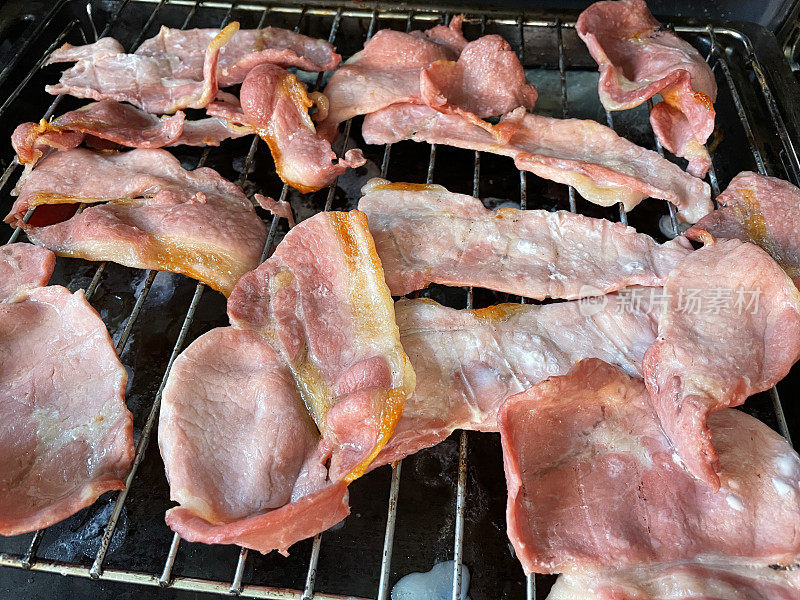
(783, 487)
(735, 502)
(788, 465)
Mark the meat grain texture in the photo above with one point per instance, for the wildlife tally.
(65, 433)
(593, 482)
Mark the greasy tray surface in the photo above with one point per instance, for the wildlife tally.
(147, 313)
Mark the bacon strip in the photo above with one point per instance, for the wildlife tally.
(151, 83)
(180, 69)
(322, 299)
(274, 104)
(247, 49)
(592, 482)
(120, 124)
(154, 215)
(438, 68)
(603, 167)
(313, 341)
(758, 209)
(730, 296)
(260, 481)
(425, 234)
(638, 59)
(726, 580)
(65, 434)
(468, 362)
(23, 268)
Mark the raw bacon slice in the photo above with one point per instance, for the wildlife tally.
(154, 84)
(156, 214)
(260, 480)
(425, 234)
(438, 68)
(69, 53)
(730, 295)
(758, 209)
(248, 48)
(313, 343)
(119, 123)
(468, 362)
(275, 105)
(65, 434)
(385, 71)
(23, 268)
(593, 481)
(603, 167)
(322, 300)
(638, 59)
(680, 581)
(487, 80)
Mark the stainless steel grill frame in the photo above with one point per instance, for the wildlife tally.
(745, 72)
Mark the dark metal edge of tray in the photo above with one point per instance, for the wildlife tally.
(779, 78)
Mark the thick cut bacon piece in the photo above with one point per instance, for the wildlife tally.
(275, 105)
(156, 214)
(65, 434)
(23, 268)
(121, 124)
(729, 295)
(153, 83)
(259, 480)
(321, 299)
(758, 209)
(247, 48)
(468, 362)
(604, 167)
(593, 481)
(638, 59)
(532, 253)
(680, 581)
(438, 68)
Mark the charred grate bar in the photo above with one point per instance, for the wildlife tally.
(547, 45)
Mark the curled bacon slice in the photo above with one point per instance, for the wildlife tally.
(638, 59)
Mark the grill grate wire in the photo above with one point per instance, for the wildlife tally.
(716, 57)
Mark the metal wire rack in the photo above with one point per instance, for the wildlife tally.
(752, 96)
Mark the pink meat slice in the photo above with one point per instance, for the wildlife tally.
(680, 581)
(274, 103)
(322, 301)
(153, 83)
(638, 58)
(70, 53)
(65, 435)
(155, 214)
(439, 68)
(425, 234)
(468, 362)
(247, 49)
(603, 167)
(23, 268)
(386, 71)
(593, 482)
(121, 124)
(260, 480)
(487, 80)
(758, 209)
(730, 295)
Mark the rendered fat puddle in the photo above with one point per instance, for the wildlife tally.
(436, 584)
